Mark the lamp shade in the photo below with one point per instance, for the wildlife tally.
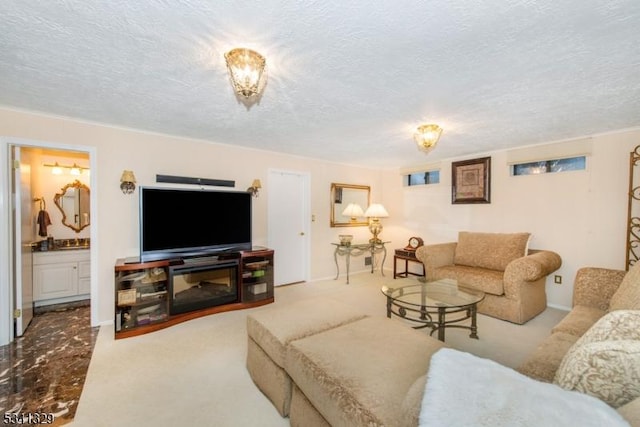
(127, 176)
(376, 210)
(256, 183)
(353, 210)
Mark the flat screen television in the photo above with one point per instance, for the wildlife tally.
(179, 223)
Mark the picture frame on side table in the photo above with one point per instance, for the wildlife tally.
(471, 181)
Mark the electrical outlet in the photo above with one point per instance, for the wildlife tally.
(557, 279)
(367, 260)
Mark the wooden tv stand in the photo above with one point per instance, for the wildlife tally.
(142, 291)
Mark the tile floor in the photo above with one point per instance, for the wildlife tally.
(44, 370)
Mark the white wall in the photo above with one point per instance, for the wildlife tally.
(149, 154)
(581, 215)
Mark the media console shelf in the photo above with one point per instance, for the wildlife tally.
(144, 291)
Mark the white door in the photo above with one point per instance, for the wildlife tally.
(288, 225)
(23, 220)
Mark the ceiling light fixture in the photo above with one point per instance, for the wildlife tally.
(246, 69)
(427, 136)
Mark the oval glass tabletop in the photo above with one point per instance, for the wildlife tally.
(439, 293)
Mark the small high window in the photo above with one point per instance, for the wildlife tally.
(423, 178)
(550, 166)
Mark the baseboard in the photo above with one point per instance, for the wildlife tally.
(559, 307)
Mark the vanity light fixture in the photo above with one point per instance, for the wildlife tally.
(427, 136)
(353, 211)
(247, 71)
(57, 169)
(374, 212)
(127, 182)
(255, 187)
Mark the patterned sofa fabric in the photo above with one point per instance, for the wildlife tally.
(605, 361)
(495, 263)
(595, 349)
(493, 251)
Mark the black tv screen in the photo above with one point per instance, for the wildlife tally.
(184, 223)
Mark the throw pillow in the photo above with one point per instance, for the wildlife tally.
(466, 390)
(493, 251)
(628, 294)
(605, 361)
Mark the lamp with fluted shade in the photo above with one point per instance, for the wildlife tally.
(353, 211)
(427, 136)
(374, 212)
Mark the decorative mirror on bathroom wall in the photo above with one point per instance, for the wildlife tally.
(73, 202)
(344, 198)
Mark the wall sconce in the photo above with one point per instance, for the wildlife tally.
(255, 187)
(127, 182)
(353, 211)
(246, 69)
(427, 137)
(374, 212)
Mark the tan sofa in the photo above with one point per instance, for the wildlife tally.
(499, 264)
(600, 296)
(323, 363)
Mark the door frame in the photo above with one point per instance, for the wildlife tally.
(306, 212)
(6, 228)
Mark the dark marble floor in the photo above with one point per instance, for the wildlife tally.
(43, 371)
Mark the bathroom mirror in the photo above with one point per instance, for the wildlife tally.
(342, 195)
(73, 202)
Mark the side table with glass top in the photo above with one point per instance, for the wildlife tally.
(351, 249)
(437, 305)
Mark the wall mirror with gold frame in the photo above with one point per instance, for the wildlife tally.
(341, 196)
(73, 202)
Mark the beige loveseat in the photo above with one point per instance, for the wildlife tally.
(499, 264)
(600, 338)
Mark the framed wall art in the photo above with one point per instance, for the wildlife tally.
(471, 181)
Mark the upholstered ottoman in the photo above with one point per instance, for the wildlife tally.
(359, 374)
(270, 331)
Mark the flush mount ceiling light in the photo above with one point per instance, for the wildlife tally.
(427, 136)
(247, 71)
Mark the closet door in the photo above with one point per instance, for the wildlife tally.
(288, 217)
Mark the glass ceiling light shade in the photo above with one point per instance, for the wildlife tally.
(427, 136)
(247, 71)
(353, 211)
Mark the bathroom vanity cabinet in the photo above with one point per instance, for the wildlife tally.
(61, 276)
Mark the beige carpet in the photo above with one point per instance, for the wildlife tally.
(194, 373)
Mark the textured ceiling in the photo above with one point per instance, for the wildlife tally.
(348, 81)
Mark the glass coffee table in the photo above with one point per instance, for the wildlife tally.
(437, 305)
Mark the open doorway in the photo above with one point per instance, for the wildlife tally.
(50, 273)
(51, 230)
